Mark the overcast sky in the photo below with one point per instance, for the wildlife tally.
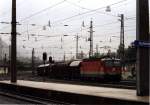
(66, 17)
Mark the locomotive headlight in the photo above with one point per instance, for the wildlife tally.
(113, 69)
(102, 69)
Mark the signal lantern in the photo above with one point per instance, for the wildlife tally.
(44, 56)
(50, 59)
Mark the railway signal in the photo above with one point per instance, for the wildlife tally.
(50, 59)
(44, 56)
(44, 61)
(33, 63)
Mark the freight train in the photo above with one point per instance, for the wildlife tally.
(93, 69)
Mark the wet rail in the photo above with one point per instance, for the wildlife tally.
(27, 75)
(30, 99)
(121, 84)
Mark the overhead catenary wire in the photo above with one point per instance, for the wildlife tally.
(115, 32)
(109, 23)
(99, 35)
(70, 16)
(87, 12)
(89, 9)
(9, 9)
(43, 10)
(36, 13)
(45, 35)
(58, 35)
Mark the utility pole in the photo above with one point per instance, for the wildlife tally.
(28, 31)
(1, 50)
(13, 44)
(97, 49)
(5, 63)
(77, 40)
(143, 53)
(9, 64)
(91, 38)
(33, 70)
(9, 52)
(122, 37)
(64, 56)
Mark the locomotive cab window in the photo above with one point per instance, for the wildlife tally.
(112, 63)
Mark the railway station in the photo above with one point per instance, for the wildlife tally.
(71, 82)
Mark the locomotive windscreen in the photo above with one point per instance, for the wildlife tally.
(112, 63)
(74, 63)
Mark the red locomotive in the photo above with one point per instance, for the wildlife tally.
(106, 68)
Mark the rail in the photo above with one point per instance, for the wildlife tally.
(31, 99)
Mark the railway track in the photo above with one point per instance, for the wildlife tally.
(31, 99)
(121, 84)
